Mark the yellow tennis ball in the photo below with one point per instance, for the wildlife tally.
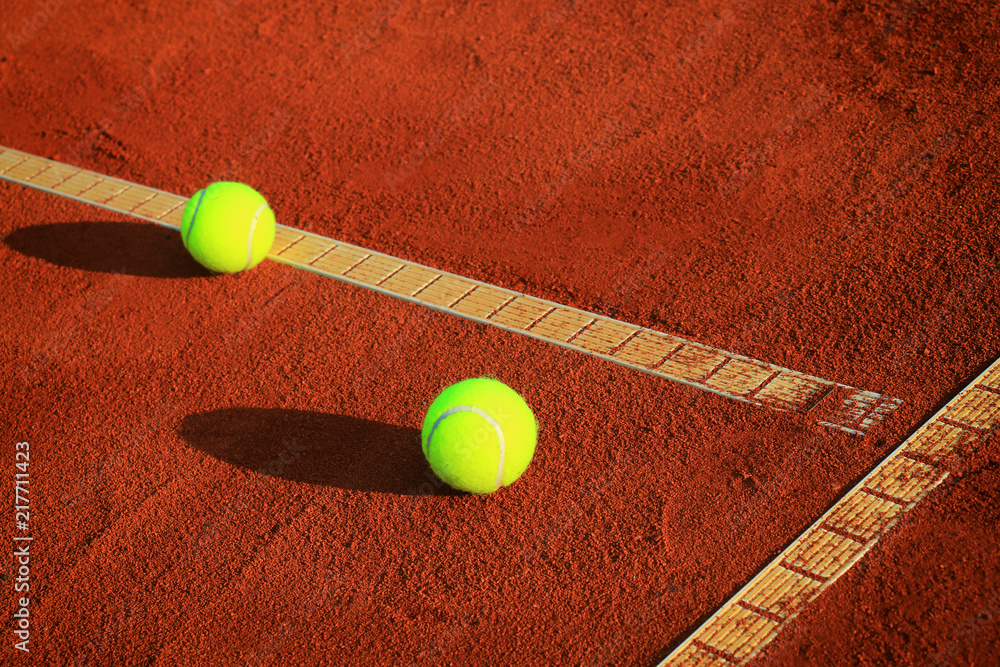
(228, 227)
(479, 435)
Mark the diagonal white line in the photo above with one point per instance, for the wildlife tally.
(784, 389)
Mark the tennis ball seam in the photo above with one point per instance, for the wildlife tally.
(492, 422)
(194, 216)
(253, 226)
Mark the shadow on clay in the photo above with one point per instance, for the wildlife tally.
(315, 448)
(130, 248)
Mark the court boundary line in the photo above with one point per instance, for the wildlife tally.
(726, 374)
(738, 630)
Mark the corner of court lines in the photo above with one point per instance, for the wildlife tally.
(748, 621)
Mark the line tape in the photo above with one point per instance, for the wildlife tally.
(733, 376)
(749, 620)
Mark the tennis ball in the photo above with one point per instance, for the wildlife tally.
(479, 435)
(228, 227)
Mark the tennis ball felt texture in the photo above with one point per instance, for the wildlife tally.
(479, 435)
(228, 227)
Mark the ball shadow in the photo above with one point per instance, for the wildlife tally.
(132, 248)
(316, 448)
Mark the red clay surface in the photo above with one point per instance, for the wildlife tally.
(227, 469)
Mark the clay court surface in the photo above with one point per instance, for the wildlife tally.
(227, 469)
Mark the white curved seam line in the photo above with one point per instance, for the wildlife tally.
(492, 422)
(253, 225)
(194, 216)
